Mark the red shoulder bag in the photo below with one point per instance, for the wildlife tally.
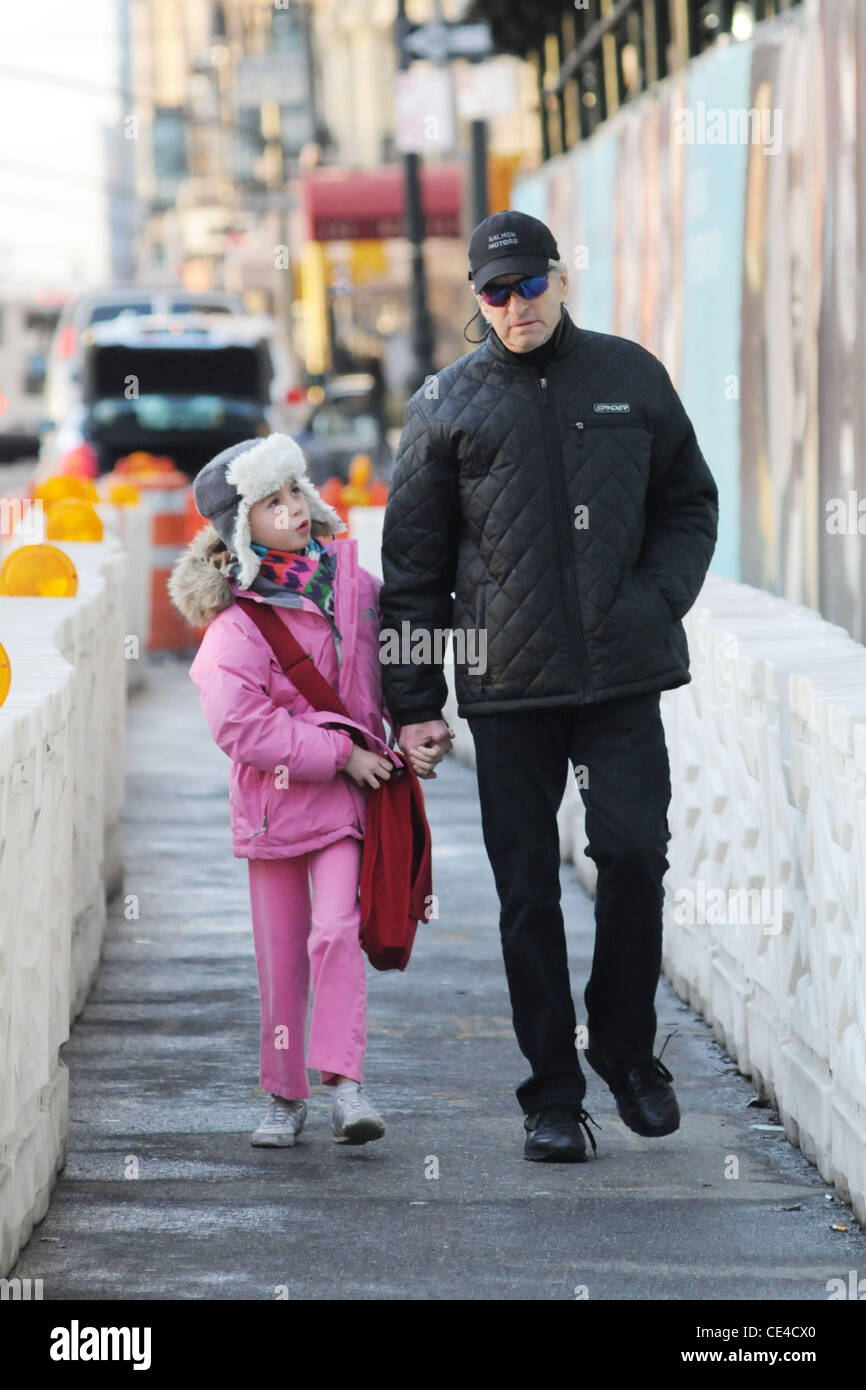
(396, 871)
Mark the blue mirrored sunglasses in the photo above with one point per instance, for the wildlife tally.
(531, 288)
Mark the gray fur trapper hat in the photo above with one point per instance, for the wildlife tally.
(226, 488)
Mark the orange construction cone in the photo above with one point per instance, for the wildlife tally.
(165, 493)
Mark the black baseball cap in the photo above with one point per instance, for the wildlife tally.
(509, 242)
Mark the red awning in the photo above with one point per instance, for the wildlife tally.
(346, 205)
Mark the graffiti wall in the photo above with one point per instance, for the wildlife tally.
(719, 221)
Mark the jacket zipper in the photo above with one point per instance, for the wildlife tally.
(566, 562)
(264, 825)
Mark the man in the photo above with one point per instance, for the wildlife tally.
(551, 482)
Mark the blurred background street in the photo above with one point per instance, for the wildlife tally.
(240, 175)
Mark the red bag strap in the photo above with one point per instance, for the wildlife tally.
(297, 664)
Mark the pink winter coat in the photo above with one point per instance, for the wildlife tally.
(287, 791)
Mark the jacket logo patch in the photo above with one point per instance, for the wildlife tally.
(611, 407)
(369, 613)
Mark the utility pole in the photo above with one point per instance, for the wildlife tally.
(421, 323)
(478, 153)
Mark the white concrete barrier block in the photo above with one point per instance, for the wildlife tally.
(768, 754)
(62, 731)
(365, 526)
(848, 1149)
(804, 1088)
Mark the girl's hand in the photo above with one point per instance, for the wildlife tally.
(425, 745)
(424, 758)
(368, 769)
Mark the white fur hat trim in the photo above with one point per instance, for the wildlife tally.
(260, 471)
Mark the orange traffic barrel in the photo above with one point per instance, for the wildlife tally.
(332, 493)
(378, 493)
(142, 462)
(163, 491)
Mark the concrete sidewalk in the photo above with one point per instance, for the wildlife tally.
(163, 1196)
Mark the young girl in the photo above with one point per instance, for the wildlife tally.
(299, 777)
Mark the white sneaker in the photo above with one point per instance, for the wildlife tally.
(281, 1125)
(353, 1118)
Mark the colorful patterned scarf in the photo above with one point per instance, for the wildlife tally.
(309, 572)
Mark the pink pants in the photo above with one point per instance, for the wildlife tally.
(291, 935)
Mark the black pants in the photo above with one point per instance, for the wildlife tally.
(522, 763)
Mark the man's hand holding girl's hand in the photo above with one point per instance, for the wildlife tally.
(368, 769)
(425, 745)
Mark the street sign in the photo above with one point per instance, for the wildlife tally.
(424, 121)
(485, 90)
(438, 41)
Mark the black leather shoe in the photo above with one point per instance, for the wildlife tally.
(644, 1096)
(554, 1135)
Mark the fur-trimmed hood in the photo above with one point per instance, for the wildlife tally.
(198, 585)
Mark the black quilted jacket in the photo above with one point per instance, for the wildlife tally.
(571, 516)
